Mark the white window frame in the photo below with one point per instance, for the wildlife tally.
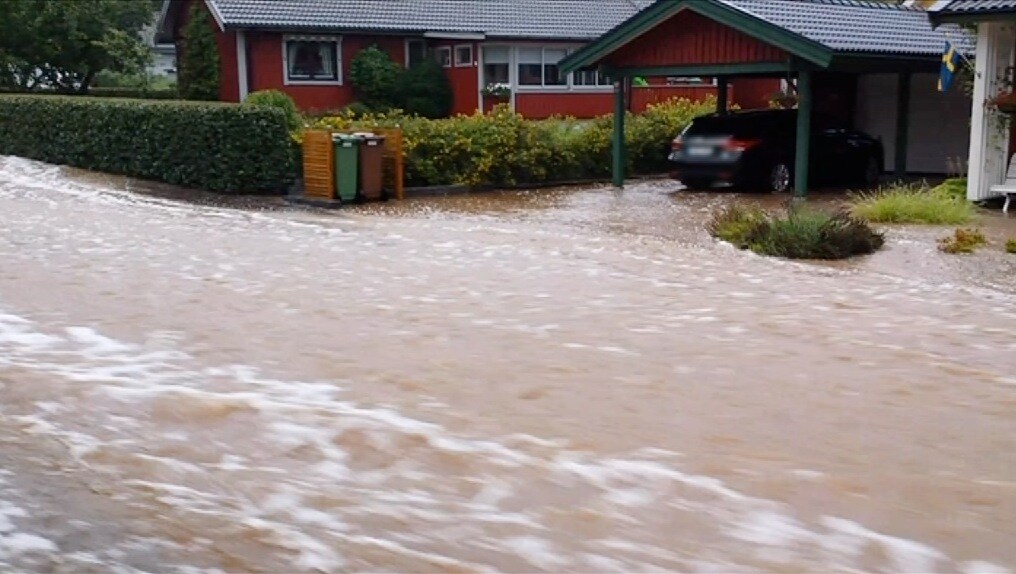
(598, 87)
(569, 85)
(337, 40)
(442, 61)
(468, 62)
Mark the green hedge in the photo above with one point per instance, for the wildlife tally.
(216, 147)
(136, 93)
(501, 148)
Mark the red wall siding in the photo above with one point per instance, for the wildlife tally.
(688, 39)
(266, 70)
(754, 93)
(579, 105)
(229, 77)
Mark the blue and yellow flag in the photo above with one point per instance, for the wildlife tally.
(950, 63)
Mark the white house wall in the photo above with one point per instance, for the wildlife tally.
(938, 132)
(989, 140)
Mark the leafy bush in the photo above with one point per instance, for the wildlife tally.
(903, 203)
(199, 57)
(1010, 246)
(955, 188)
(424, 90)
(962, 241)
(800, 234)
(501, 148)
(375, 78)
(212, 146)
(278, 100)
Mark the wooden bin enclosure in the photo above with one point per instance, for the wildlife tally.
(319, 163)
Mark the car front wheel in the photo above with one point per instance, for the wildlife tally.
(781, 178)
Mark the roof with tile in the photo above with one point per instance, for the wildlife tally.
(859, 26)
(537, 19)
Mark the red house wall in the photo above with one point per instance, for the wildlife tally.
(689, 39)
(266, 70)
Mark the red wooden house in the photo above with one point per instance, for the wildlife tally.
(304, 47)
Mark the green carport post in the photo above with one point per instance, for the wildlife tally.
(722, 107)
(618, 139)
(803, 134)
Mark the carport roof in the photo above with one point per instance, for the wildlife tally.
(813, 30)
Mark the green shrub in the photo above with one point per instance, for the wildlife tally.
(735, 223)
(134, 93)
(954, 188)
(199, 57)
(962, 241)
(212, 146)
(375, 78)
(902, 203)
(424, 90)
(280, 101)
(1010, 246)
(802, 233)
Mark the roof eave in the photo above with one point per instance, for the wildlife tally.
(1002, 14)
(795, 44)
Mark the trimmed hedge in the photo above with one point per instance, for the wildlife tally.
(502, 149)
(96, 92)
(211, 146)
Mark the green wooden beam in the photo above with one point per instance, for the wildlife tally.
(721, 96)
(718, 70)
(902, 122)
(619, 155)
(801, 160)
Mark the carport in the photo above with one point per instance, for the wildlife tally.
(822, 46)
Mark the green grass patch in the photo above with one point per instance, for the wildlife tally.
(962, 241)
(1010, 246)
(800, 233)
(903, 203)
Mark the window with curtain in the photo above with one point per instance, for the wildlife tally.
(495, 65)
(530, 62)
(590, 77)
(312, 60)
(552, 75)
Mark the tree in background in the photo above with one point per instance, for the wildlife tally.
(199, 58)
(60, 45)
(375, 78)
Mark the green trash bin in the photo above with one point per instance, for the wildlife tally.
(347, 163)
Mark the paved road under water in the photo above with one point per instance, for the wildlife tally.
(558, 381)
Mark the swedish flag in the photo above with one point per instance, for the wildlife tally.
(950, 63)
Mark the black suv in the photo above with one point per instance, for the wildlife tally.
(756, 149)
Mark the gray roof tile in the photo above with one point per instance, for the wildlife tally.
(859, 26)
(560, 19)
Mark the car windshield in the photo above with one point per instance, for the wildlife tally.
(739, 126)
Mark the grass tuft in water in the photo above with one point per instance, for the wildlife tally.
(962, 241)
(911, 203)
(802, 233)
(1010, 246)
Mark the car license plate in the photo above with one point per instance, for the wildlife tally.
(699, 151)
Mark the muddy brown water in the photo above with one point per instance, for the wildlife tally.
(562, 380)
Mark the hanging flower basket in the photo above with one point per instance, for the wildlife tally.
(784, 100)
(1004, 102)
(500, 92)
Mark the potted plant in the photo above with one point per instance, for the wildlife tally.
(497, 91)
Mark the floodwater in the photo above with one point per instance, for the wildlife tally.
(564, 380)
